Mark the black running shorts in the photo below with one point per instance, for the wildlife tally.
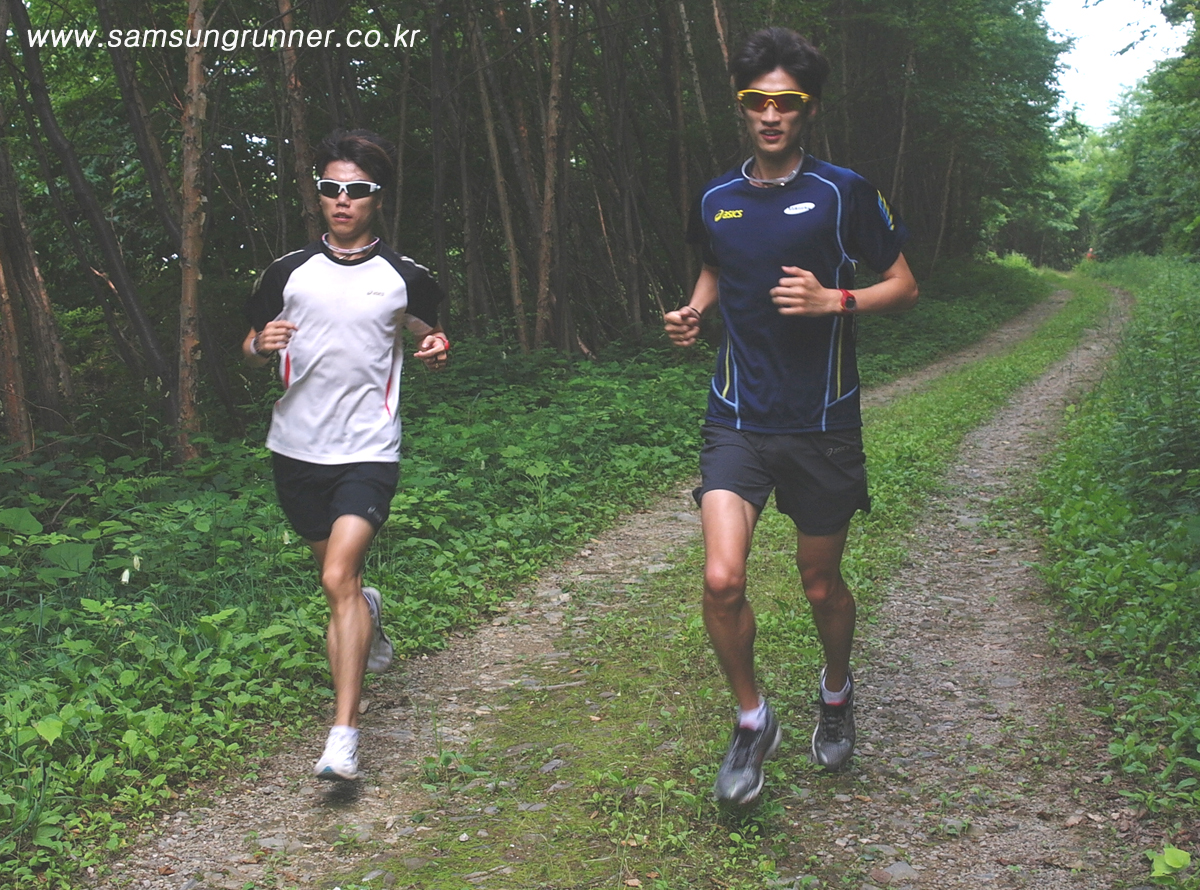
(314, 495)
(819, 479)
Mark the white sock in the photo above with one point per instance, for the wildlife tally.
(347, 732)
(756, 718)
(835, 698)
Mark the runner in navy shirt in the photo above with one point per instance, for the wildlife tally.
(781, 235)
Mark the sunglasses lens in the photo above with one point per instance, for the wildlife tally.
(753, 100)
(757, 101)
(358, 189)
(328, 189)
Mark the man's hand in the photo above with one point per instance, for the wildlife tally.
(274, 336)
(434, 350)
(799, 293)
(682, 325)
(258, 345)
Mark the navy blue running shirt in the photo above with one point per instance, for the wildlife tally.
(777, 373)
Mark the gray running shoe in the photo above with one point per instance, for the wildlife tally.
(833, 739)
(380, 657)
(740, 778)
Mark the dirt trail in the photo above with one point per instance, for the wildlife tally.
(958, 671)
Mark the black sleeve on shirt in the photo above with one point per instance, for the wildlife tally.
(697, 232)
(266, 300)
(424, 295)
(876, 233)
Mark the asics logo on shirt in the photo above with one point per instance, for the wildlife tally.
(799, 208)
(727, 214)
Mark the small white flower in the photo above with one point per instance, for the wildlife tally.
(287, 539)
(125, 577)
(137, 563)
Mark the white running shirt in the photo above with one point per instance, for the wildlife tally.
(341, 369)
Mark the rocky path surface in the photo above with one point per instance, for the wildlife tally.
(970, 772)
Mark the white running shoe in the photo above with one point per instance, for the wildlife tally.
(380, 657)
(340, 760)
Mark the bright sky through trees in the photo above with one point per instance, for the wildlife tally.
(1094, 77)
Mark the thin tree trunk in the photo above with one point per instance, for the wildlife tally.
(506, 222)
(517, 137)
(545, 296)
(398, 200)
(53, 373)
(86, 198)
(194, 101)
(673, 82)
(896, 194)
(691, 57)
(161, 194)
(437, 64)
(103, 292)
(945, 203)
(18, 429)
(301, 150)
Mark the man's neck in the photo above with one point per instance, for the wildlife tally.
(775, 167)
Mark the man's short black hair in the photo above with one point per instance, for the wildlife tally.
(772, 48)
(368, 150)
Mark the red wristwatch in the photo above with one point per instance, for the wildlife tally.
(849, 303)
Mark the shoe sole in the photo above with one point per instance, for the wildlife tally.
(329, 775)
(747, 799)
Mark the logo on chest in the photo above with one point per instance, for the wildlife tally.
(799, 208)
(727, 214)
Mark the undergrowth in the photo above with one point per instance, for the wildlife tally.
(1121, 508)
(154, 617)
(644, 735)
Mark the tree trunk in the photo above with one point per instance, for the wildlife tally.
(545, 296)
(437, 64)
(896, 194)
(691, 57)
(53, 373)
(17, 427)
(401, 136)
(506, 222)
(945, 204)
(302, 151)
(194, 101)
(163, 196)
(102, 291)
(673, 86)
(86, 198)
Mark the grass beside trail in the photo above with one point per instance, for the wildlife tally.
(1121, 508)
(643, 737)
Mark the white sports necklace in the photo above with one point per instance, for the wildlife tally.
(778, 180)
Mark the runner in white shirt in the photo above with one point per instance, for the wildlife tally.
(333, 312)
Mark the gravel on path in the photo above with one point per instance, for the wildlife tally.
(978, 764)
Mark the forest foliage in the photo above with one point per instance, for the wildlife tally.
(549, 153)
(1121, 506)
(171, 612)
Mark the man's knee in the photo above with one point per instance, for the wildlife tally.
(724, 585)
(338, 579)
(823, 586)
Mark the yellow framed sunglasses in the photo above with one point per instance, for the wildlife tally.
(784, 100)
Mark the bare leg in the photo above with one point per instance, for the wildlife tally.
(728, 522)
(340, 562)
(819, 559)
